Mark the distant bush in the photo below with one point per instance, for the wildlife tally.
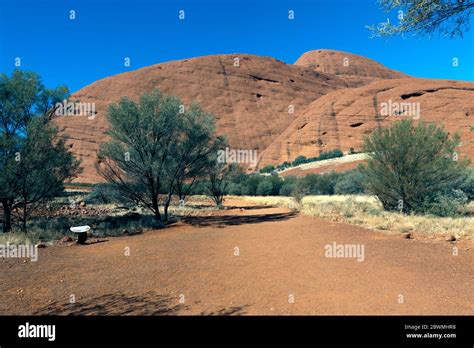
(284, 165)
(264, 188)
(330, 154)
(267, 169)
(468, 185)
(288, 185)
(352, 151)
(350, 182)
(234, 189)
(250, 184)
(302, 160)
(299, 160)
(448, 204)
(104, 194)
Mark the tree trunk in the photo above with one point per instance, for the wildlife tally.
(167, 204)
(7, 216)
(23, 222)
(156, 208)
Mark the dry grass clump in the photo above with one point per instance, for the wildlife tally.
(366, 211)
(279, 201)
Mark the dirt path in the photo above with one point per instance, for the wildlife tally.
(282, 257)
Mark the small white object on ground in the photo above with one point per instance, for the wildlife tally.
(81, 233)
(80, 229)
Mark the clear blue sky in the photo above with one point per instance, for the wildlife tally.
(78, 52)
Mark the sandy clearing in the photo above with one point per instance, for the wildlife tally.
(281, 257)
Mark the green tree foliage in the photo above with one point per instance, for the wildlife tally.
(288, 185)
(350, 183)
(299, 160)
(104, 193)
(448, 17)
(468, 185)
(411, 166)
(267, 169)
(157, 149)
(34, 163)
(44, 165)
(302, 159)
(264, 188)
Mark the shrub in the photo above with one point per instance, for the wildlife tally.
(352, 151)
(287, 186)
(350, 182)
(234, 189)
(264, 188)
(446, 204)
(267, 169)
(411, 166)
(330, 154)
(468, 185)
(104, 194)
(327, 182)
(276, 182)
(250, 184)
(286, 189)
(298, 160)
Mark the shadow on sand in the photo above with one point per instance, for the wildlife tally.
(227, 311)
(116, 304)
(231, 220)
(148, 304)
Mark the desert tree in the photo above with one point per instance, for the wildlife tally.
(410, 165)
(156, 145)
(191, 157)
(33, 160)
(42, 166)
(217, 181)
(448, 17)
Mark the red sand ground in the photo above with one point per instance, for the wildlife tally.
(281, 254)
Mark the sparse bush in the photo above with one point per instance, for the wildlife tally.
(217, 183)
(412, 166)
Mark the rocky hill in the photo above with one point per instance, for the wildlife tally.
(281, 110)
(339, 120)
(253, 98)
(355, 70)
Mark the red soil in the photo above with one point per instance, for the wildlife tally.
(281, 254)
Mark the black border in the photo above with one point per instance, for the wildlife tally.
(219, 330)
